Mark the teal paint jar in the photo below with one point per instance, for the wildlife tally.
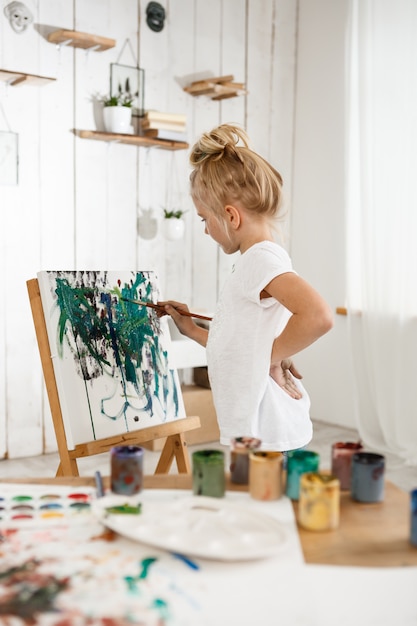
(299, 462)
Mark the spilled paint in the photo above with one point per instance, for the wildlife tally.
(162, 607)
(132, 581)
(28, 592)
(124, 509)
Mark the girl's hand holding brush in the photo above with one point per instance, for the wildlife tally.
(182, 318)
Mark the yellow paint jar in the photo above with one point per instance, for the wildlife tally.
(319, 502)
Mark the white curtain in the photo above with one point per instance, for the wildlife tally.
(382, 221)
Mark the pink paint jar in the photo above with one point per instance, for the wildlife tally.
(341, 457)
(239, 458)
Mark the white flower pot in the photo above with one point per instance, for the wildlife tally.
(118, 119)
(174, 228)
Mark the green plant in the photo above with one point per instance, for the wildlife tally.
(173, 213)
(121, 100)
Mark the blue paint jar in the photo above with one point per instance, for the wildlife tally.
(413, 512)
(299, 462)
(126, 470)
(367, 481)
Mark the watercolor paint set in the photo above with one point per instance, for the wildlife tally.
(36, 504)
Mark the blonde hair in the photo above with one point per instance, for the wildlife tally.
(225, 173)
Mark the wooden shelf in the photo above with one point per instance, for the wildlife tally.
(16, 79)
(216, 88)
(132, 140)
(81, 40)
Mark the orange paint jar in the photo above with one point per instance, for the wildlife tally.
(265, 475)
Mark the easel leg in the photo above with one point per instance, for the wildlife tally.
(175, 446)
(71, 468)
(181, 454)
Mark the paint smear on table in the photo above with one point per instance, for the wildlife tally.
(67, 572)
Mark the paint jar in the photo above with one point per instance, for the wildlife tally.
(239, 458)
(319, 501)
(413, 514)
(341, 458)
(126, 476)
(299, 462)
(367, 484)
(208, 473)
(265, 475)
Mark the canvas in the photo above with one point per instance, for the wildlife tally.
(110, 356)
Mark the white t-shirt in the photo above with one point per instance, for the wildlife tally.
(248, 401)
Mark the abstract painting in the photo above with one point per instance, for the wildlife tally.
(110, 355)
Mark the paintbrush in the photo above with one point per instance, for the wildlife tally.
(159, 307)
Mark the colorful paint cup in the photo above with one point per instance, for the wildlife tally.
(208, 473)
(239, 458)
(319, 502)
(413, 512)
(265, 475)
(126, 470)
(299, 462)
(341, 458)
(367, 483)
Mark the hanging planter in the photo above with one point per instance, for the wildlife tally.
(147, 224)
(174, 225)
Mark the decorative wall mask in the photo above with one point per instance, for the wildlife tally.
(155, 16)
(19, 16)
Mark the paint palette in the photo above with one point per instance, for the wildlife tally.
(35, 504)
(210, 528)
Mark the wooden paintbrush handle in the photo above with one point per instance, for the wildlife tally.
(159, 307)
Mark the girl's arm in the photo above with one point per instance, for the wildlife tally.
(311, 315)
(185, 324)
(311, 318)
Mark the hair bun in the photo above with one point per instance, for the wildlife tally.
(214, 144)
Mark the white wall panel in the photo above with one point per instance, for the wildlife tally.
(207, 62)
(317, 232)
(77, 201)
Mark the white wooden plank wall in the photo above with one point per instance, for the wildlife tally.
(78, 201)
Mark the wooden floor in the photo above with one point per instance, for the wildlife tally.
(325, 435)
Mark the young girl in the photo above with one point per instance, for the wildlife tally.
(266, 313)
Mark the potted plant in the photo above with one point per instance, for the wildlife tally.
(117, 112)
(174, 225)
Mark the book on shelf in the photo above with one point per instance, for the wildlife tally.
(160, 116)
(169, 135)
(160, 125)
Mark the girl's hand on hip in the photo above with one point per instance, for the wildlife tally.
(284, 373)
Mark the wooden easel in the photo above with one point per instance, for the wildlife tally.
(175, 445)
